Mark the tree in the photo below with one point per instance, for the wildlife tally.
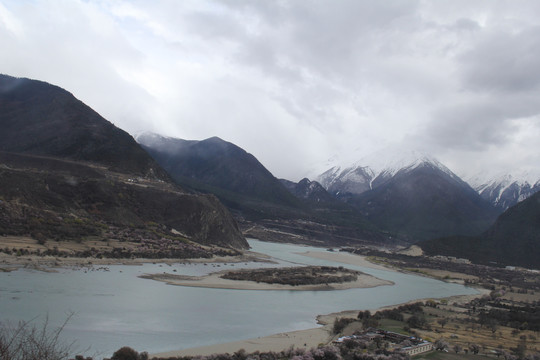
(440, 345)
(442, 322)
(474, 348)
(364, 315)
(27, 341)
(370, 323)
(125, 353)
(418, 320)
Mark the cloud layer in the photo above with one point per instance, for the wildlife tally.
(296, 82)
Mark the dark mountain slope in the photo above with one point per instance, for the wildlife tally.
(514, 239)
(64, 162)
(219, 166)
(42, 119)
(309, 190)
(62, 200)
(266, 208)
(424, 202)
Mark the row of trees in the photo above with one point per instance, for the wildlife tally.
(302, 275)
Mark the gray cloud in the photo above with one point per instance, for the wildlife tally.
(502, 61)
(296, 82)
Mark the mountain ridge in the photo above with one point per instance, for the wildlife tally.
(514, 239)
(54, 125)
(78, 175)
(249, 190)
(411, 194)
(505, 190)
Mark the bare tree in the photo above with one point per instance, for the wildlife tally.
(474, 348)
(27, 341)
(442, 322)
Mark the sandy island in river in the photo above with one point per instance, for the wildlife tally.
(214, 280)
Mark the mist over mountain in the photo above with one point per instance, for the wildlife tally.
(410, 194)
(67, 173)
(218, 164)
(42, 119)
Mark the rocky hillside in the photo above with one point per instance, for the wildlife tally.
(42, 119)
(68, 174)
(220, 166)
(308, 190)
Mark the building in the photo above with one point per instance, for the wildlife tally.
(418, 349)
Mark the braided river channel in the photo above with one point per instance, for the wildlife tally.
(116, 308)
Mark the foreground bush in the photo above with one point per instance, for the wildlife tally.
(27, 341)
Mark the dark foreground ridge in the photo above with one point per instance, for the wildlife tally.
(68, 174)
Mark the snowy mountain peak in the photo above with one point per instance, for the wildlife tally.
(391, 160)
(366, 173)
(503, 189)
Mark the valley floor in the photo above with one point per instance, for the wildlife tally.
(309, 338)
(13, 261)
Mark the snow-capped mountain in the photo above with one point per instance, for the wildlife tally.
(373, 170)
(310, 190)
(410, 194)
(505, 190)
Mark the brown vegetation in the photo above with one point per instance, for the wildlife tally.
(305, 275)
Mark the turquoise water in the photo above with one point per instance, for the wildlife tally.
(116, 308)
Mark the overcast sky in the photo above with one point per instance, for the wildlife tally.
(298, 82)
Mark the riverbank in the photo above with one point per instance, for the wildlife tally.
(50, 263)
(312, 337)
(306, 339)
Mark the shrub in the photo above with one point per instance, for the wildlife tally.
(27, 341)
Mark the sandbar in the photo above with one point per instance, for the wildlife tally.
(345, 258)
(214, 280)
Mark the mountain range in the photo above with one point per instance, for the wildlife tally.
(505, 190)
(411, 195)
(264, 206)
(514, 239)
(221, 167)
(66, 173)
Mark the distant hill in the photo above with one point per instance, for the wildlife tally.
(220, 167)
(309, 190)
(514, 239)
(255, 195)
(42, 119)
(61, 161)
(411, 195)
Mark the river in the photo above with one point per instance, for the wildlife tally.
(116, 308)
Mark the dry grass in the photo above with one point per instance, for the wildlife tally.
(70, 247)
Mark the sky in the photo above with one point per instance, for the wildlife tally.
(299, 82)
